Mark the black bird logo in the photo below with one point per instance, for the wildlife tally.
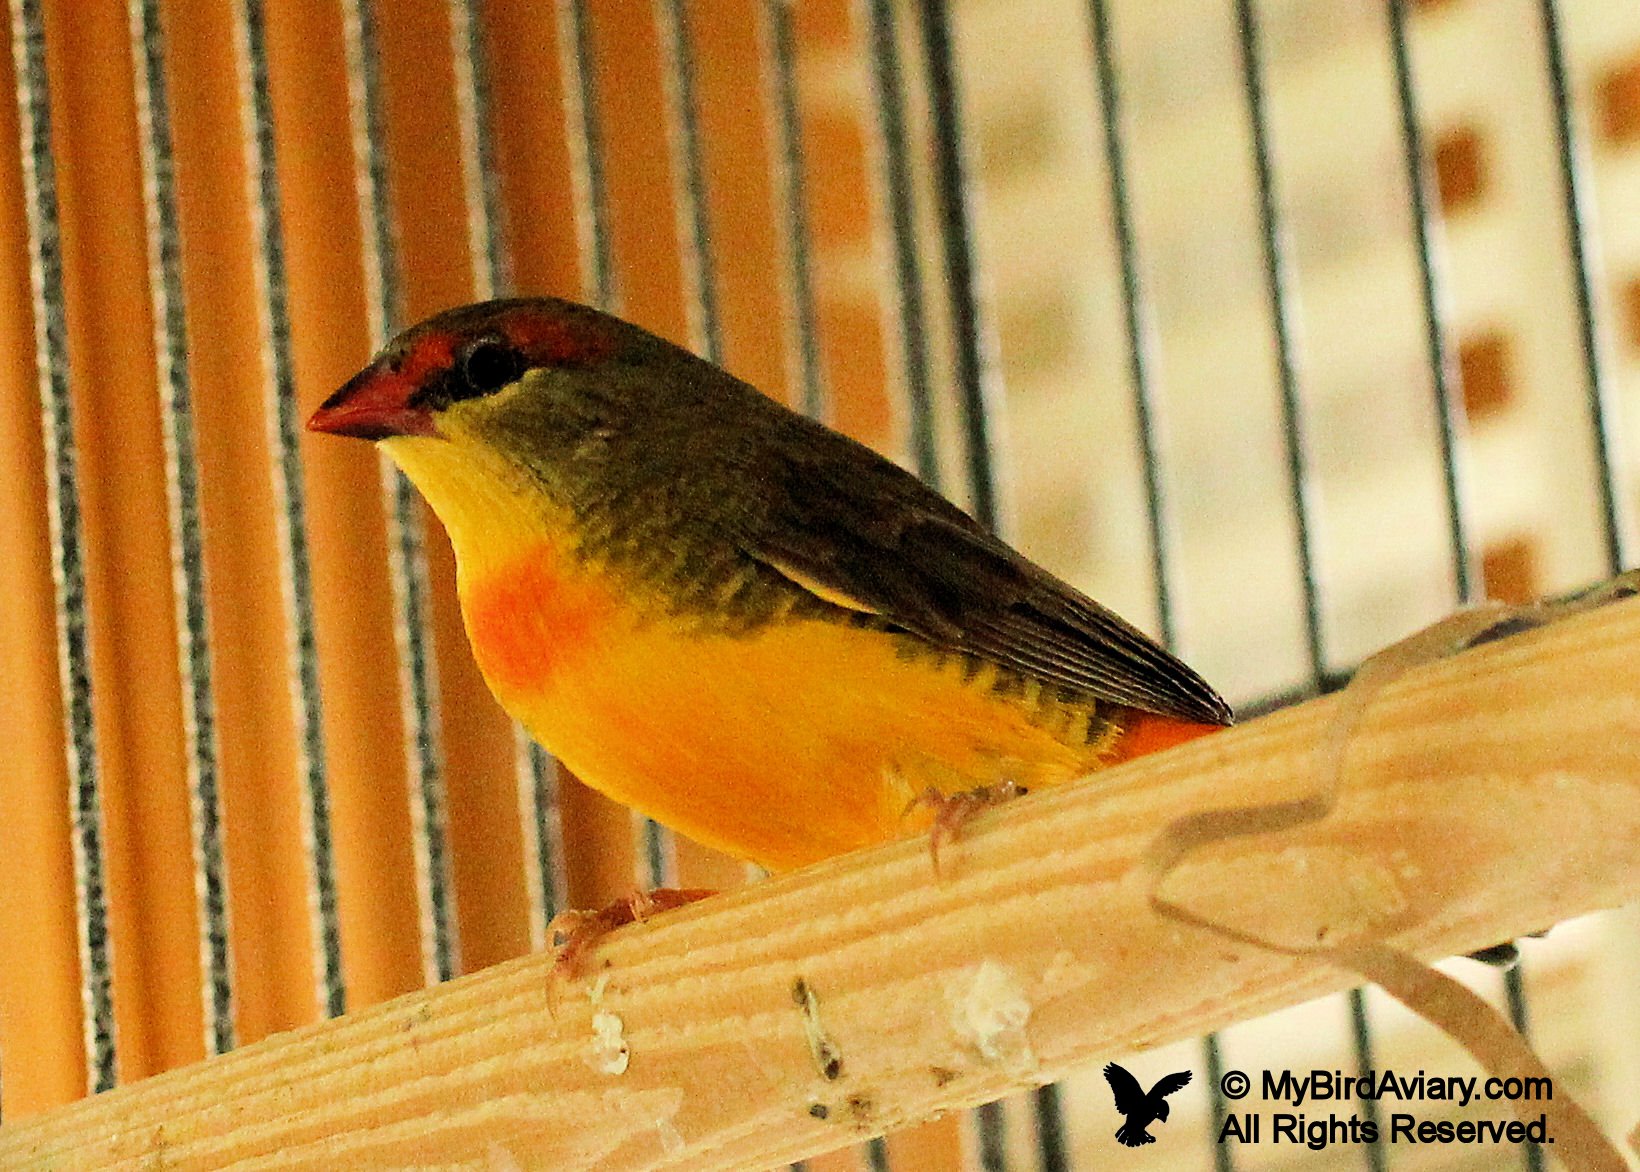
(1141, 1109)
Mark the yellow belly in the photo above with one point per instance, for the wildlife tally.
(801, 740)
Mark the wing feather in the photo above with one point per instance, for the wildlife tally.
(874, 539)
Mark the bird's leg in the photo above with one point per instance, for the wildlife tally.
(575, 933)
(952, 811)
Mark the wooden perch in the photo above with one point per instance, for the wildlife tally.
(1486, 795)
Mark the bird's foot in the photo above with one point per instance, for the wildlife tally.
(952, 811)
(576, 933)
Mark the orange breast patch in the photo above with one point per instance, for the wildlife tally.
(531, 614)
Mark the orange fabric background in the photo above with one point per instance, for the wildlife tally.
(114, 383)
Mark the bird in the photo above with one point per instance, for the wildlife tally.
(1141, 1109)
(738, 621)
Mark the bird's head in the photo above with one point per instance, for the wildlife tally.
(1161, 1110)
(512, 409)
(449, 374)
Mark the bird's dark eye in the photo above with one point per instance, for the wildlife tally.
(485, 366)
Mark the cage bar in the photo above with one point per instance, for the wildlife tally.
(187, 538)
(978, 391)
(1278, 282)
(96, 944)
(898, 211)
(1278, 285)
(295, 569)
(689, 179)
(537, 773)
(1614, 513)
(876, 1153)
(486, 218)
(659, 854)
(779, 50)
(596, 252)
(1514, 994)
(1141, 386)
(1450, 422)
(586, 152)
(1444, 376)
(1224, 1156)
(407, 558)
(894, 163)
(978, 402)
(1135, 308)
(780, 67)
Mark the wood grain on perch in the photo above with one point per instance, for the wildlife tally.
(1486, 795)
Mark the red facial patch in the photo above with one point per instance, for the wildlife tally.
(558, 339)
(431, 355)
(526, 619)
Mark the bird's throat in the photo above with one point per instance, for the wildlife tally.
(530, 602)
(489, 507)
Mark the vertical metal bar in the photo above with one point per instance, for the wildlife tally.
(586, 150)
(1449, 408)
(1426, 227)
(1140, 346)
(1514, 992)
(96, 945)
(1224, 1159)
(699, 269)
(888, 94)
(978, 395)
(537, 772)
(1134, 306)
(1531, 1154)
(780, 54)
(689, 178)
(545, 878)
(1277, 287)
(486, 213)
(978, 388)
(1614, 513)
(407, 559)
(1295, 433)
(295, 571)
(779, 47)
(182, 499)
(1361, 1038)
(1053, 1154)
(584, 132)
(894, 161)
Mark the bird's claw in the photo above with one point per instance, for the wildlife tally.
(952, 811)
(575, 933)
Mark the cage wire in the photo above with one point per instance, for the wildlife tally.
(1297, 311)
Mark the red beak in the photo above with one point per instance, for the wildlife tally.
(375, 404)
